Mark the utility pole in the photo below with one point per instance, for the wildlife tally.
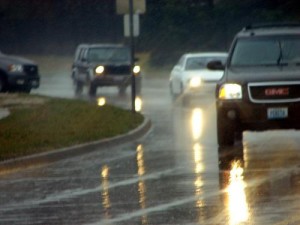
(132, 56)
(132, 9)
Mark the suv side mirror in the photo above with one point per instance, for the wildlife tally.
(215, 65)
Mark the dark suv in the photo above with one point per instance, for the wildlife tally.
(260, 88)
(18, 74)
(98, 65)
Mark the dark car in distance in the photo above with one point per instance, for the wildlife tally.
(18, 74)
(260, 89)
(99, 65)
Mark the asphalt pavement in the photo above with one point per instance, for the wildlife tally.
(174, 176)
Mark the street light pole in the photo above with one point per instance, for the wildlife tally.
(133, 94)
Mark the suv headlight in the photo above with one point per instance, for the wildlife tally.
(195, 82)
(230, 91)
(136, 70)
(15, 68)
(99, 70)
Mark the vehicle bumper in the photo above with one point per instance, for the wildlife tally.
(250, 116)
(112, 80)
(203, 90)
(18, 81)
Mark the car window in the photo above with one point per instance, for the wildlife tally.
(196, 63)
(266, 51)
(81, 54)
(108, 54)
(77, 54)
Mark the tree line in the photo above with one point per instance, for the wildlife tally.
(168, 28)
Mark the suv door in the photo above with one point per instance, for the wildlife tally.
(82, 66)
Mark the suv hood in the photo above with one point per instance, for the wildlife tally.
(262, 74)
(110, 63)
(9, 59)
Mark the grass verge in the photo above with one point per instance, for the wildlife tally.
(38, 124)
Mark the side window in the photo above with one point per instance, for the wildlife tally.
(82, 54)
(78, 51)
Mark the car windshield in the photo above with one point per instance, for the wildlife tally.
(198, 63)
(108, 54)
(271, 51)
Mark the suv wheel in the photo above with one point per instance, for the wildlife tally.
(78, 87)
(225, 130)
(2, 85)
(92, 90)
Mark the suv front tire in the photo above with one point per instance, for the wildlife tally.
(225, 130)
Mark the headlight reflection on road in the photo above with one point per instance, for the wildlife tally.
(105, 192)
(198, 158)
(141, 184)
(140, 160)
(197, 123)
(199, 168)
(237, 201)
(101, 101)
(138, 104)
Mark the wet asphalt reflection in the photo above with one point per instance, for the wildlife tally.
(172, 176)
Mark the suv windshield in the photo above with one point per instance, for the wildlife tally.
(108, 54)
(196, 63)
(266, 51)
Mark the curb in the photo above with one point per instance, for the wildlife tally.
(63, 153)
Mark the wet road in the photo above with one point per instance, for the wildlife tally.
(173, 176)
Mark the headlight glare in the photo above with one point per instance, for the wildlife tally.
(136, 69)
(195, 82)
(99, 70)
(230, 91)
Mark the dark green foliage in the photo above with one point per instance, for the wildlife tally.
(168, 28)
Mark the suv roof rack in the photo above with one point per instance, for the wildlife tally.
(271, 25)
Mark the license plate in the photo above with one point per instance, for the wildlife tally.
(277, 113)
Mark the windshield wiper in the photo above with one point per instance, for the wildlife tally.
(280, 54)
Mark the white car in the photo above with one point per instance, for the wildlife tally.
(190, 76)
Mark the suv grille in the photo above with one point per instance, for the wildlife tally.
(31, 70)
(117, 70)
(274, 92)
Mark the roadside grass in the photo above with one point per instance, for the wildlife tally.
(56, 123)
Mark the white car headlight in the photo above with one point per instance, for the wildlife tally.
(99, 70)
(195, 82)
(230, 91)
(15, 68)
